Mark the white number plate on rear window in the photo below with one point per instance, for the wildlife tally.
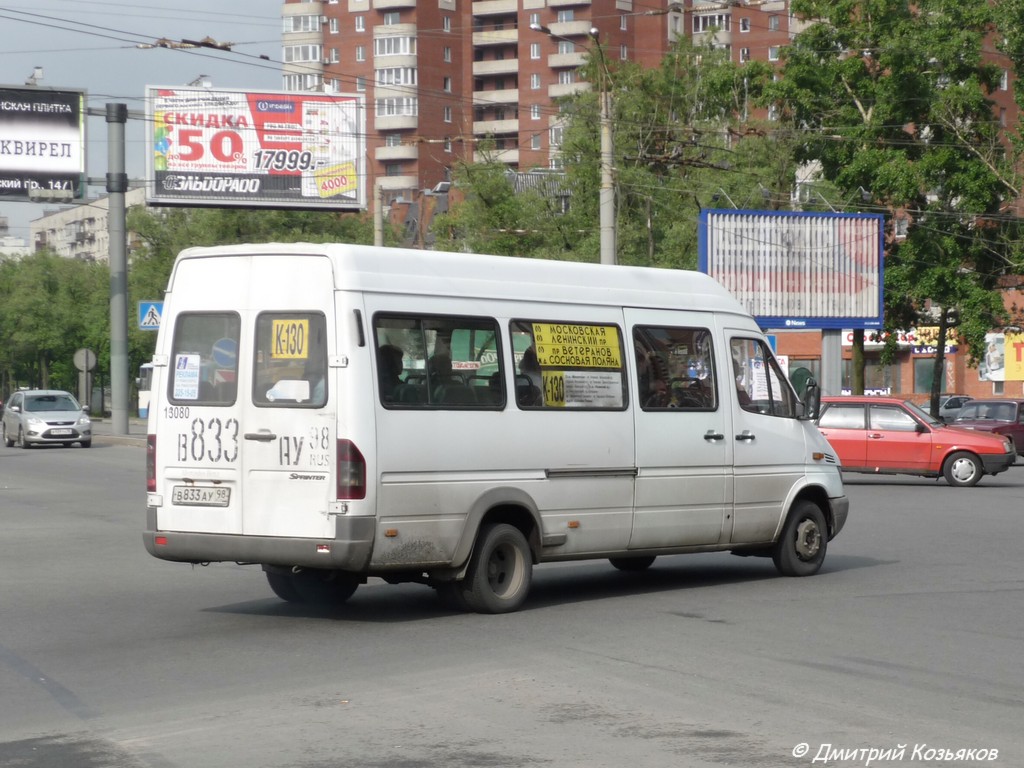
(200, 496)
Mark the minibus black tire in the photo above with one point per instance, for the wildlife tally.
(500, 571)
(632, 563)
(315, 586)
(800, 550)
(282, 585)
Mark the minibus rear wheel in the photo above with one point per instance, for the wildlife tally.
(500, 571)
(314, 586)
(800, 550)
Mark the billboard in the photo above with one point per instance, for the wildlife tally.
(795, 269)
(42, 143)
(256, 149)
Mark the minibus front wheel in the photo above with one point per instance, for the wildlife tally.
(500, 571)
(800, 550)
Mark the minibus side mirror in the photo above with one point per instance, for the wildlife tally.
(811, 400)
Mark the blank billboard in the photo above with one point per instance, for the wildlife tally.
(795, 269)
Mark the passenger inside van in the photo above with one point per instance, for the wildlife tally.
(390, 370)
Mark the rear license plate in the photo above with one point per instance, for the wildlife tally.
(61, 432)
(200, 496)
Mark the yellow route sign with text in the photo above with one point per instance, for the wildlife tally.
(566, 345)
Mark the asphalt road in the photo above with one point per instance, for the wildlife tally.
(910, 637)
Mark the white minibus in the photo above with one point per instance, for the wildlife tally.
(339, 412)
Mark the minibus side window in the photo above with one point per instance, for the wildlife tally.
(431, 361)
(675, 369)
(568, 366)
(290, 360)
(204, 359)
(761, 386)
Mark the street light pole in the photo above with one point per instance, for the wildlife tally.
(606, 198)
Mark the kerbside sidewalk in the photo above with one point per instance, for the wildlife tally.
(103, 432)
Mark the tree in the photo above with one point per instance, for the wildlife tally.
(893, 97)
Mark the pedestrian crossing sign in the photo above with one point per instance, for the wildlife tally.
(149, 315)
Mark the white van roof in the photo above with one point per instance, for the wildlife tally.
(443, 273)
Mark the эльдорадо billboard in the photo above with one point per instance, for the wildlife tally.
(42, 143)
(256, 149)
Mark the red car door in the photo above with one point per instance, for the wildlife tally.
(842, 424)
(896, 440)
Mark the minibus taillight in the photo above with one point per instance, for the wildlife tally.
(151, 463)
(351, 471)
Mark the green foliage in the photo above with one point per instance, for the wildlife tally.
(893, 97)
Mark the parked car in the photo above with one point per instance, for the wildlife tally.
(950, 405)
(1004, 417)
(45, 416)
(886, 435)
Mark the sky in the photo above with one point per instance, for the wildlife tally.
(92, 45)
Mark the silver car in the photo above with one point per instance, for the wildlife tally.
(42, 416)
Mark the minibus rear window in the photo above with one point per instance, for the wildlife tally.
(290, 360)
(204, 359)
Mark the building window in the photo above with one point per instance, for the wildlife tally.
(708, 21)
(773, 53)
(394, 46)
(566, 16)
(534, 50)
(391, 18)
(448, 53)
(334, 56)
(334, 26)
(447, 144)
(744, 25)
(623, 53)
(360, 84)
(534, 19)
(360, 53)
(392, 169)
(406, 106)
(744, 55)
(623, 23)
(293, 53)
(555, 135)
(1004, 81)
(393, 140)
(535, 141)
(535, 82)
(447, 85)
(447, 114)
(446, 23)
(566, 46)
(301, 24)
(567, 76)
(397, 76)
(535, 112)
(360, 24)
(773, 23)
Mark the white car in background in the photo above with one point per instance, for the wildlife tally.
(45, 416)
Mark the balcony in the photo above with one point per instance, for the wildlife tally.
(396, 122)
(397, 182)
(496, 37)
(567, 60)
(508, 156)
(384, 5)
(401, 152)
(566, 89)
(487, 98)
(495, 8)
(501, 67)
(495, 127)
(571, 28)
(567, 3)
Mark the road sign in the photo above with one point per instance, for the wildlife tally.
(150, 313)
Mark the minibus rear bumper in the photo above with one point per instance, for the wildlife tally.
(349, 550)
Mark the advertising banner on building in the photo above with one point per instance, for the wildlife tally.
(793, 269)
(42, 144)
(256, 149)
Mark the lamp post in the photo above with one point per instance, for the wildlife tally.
(606, 199)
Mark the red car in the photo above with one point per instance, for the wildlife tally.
(886, 435)
(1004, 417)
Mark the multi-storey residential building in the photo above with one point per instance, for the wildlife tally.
(450, 79)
